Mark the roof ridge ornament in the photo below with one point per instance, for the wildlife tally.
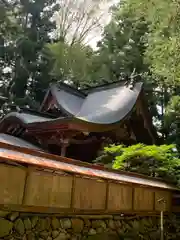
(133, 79)
(18, 109)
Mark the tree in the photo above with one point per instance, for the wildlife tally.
(143, 37)
(9, 31)
(162, 57)
(73, 58)
(122, 46)
(163, 37)
(23, 50)
(121, 52)
(71, 63)
(78, 19)
(172, 121)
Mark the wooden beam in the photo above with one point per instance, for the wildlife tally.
(83, 141)
(70, 212)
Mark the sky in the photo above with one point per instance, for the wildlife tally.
(96, 36)
(78, 20)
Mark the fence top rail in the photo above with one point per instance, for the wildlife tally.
(57, 163)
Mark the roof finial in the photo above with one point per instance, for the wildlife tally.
(18, 109)
(133, 79)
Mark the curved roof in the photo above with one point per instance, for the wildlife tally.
(67, 100)
(26, 118)
(5, 138)
(101, 105)
(109, 106)
(105, 106)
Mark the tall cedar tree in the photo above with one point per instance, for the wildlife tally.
(29, 67)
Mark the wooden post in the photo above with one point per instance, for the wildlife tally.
(162, 226)
(162, 202)
(64, 146)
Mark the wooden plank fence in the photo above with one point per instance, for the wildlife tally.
(29, 189)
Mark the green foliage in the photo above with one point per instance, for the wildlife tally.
(163, 37)
(121, 52)
(143, 36)
(28, 31)
(71, 63)
(23, 36)
(172, 121)
(156, 161)
(122, 47)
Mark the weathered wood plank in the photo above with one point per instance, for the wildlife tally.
(89, 194)
(119, 197)
(46, 189)
(12, 181)
(143, 199)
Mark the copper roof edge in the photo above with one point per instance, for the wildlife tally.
(54, 160)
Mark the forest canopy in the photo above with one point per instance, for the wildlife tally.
(44, 41)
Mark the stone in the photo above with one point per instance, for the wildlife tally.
(55, 233)
(135, 224)
(77, 225)
(118, 217)
(31, 236)
(99, 223)
(4, 214)
(48, 223)
(127, 238)
(9, 237)
(77, 237)
(103, 236)
(41, 224)
(102, 224)
(5, 227)
(69, 236)
(118, 224)
(44, 234)
(121, 231)
(61, 236)
(99, 230)
(92, 232)
(24, 237)
(111, 224)
(34, 221)
(13, 216)
(55, 223)
(74, 238)
(65, 223)
(85, 230)
(69, 230)
(19, 226)
(27, 224)
(87, 222)
(32, 227)
(95, 223)
(17, 236)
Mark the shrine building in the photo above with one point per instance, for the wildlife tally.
(76, 123)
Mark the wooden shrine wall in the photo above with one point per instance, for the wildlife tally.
(28, 189)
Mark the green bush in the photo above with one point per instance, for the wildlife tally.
(155, 161)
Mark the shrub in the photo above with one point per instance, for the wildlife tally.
(155, 161)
